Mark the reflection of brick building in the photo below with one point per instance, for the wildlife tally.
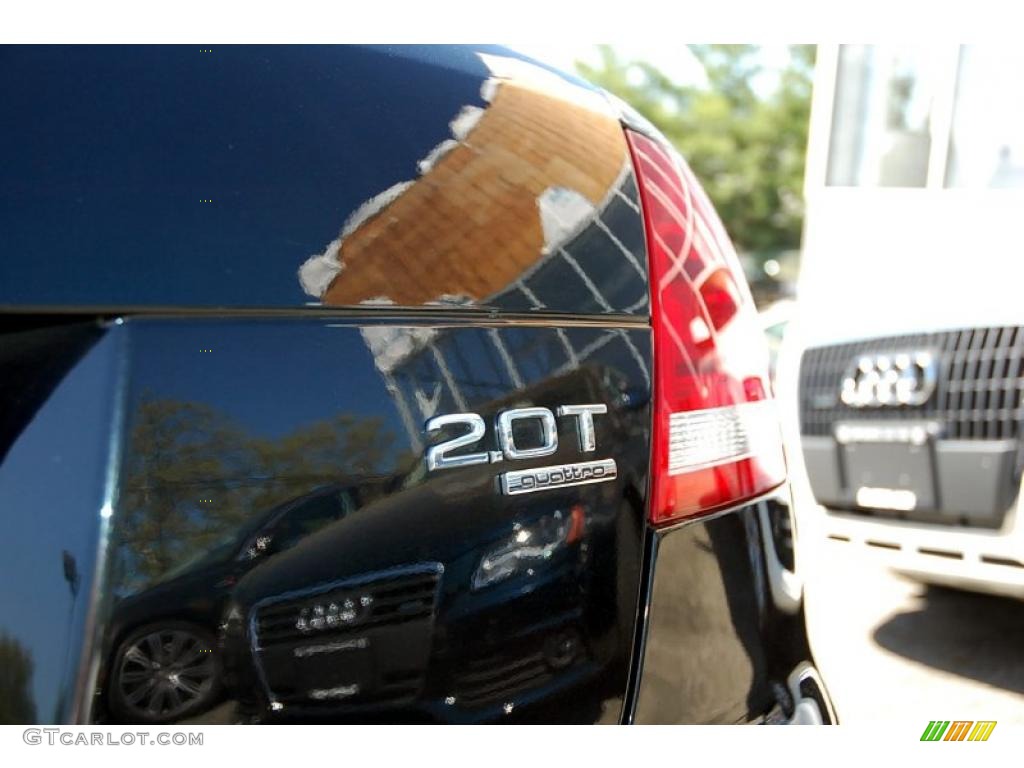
(469, 226)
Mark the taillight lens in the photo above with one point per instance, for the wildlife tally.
(716, 436)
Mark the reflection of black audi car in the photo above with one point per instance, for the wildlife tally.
(165, 663)
(504, 615)
(430, 607)
(480, 295)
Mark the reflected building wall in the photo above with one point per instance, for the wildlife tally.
(469, 225)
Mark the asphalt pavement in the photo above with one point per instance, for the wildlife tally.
(890, 649)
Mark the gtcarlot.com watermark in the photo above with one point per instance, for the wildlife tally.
(99, 738)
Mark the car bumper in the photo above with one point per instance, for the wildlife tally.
(978, 560)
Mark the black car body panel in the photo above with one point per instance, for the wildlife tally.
(246, 176)
(279, 408)
(235, 286)
(724, 635)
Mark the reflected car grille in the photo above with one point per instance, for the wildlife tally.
(357, 643)
(391, 601)
(498, 677)
(980, 383)
(530, 664)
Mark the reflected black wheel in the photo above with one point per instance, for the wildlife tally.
(164, 673)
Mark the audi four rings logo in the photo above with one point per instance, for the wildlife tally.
(524, 480)
(902, 378)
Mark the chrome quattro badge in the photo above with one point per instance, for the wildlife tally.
(443, 456)
(558, 476)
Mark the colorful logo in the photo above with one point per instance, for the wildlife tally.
(958, 730)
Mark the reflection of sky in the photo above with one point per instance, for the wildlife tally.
(111, 150)
(50, 497)
(270, 376)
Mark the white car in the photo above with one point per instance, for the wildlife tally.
(904, 368)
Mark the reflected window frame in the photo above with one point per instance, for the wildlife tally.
(973, 107)
(945, 63)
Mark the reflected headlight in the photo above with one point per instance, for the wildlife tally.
(529, 546)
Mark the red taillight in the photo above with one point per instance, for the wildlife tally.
(716, 436)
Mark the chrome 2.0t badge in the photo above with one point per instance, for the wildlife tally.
(443, 456)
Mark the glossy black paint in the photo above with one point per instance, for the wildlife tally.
(54, 479)
(232, 426)
(145, 133)
(724, 630)
(178, 176)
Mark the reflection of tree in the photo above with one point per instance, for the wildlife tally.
(193, 476)
(16, 706)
